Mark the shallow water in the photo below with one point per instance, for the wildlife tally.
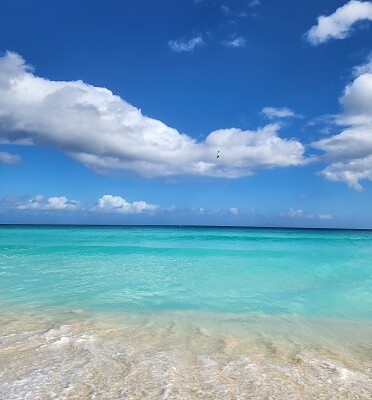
(184, 313)
(182, 355)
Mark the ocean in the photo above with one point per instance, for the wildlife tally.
(147, 312)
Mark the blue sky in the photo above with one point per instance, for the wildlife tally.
(113, 112)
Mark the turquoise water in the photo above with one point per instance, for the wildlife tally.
(184, 313)
(273, 271)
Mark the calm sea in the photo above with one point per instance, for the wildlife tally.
(184, 312)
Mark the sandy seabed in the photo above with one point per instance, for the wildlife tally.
(182, 355)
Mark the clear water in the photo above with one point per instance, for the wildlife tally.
(85, 309)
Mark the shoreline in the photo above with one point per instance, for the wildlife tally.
(180, 355)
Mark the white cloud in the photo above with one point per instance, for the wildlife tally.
(350, 152)
(325, 216)
(42, 204)
(234, 211)
(338, 25)
(364, 68)
(182, 45)
(234, 10)
(8, 158)
(105, 132)
(107, 203)
(279, 112)
(297, 214)
(292, 213)
(250, 150)
(225, 9)
(117, 204)
(350, 172)
(233, 13)
(235, 43)
(195, 210)
(254, 3)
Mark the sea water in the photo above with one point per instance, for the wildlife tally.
(184, 312)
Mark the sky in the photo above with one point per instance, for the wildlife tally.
(113, 112)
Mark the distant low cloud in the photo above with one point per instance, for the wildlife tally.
(235, 43)
(283, 112)
(117, 204)
(339, 24)
(300, 214)
(292, 213)
(183, 45)
(325, 216)
(349, 153)
(110, 204)
(40, 203)
(106, 204)
(105, 132)
(8, 158)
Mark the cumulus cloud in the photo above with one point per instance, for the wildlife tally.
(105, 132)
(234, 211)
(350, 151)
(235, 43)
(256, 149)
(8, 158)
(42, 204)
(338, 25)
(279, 112)
(117, 204)
(182, 45)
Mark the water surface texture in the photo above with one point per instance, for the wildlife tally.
(184, 312)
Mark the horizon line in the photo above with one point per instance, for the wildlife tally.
(182, 226)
